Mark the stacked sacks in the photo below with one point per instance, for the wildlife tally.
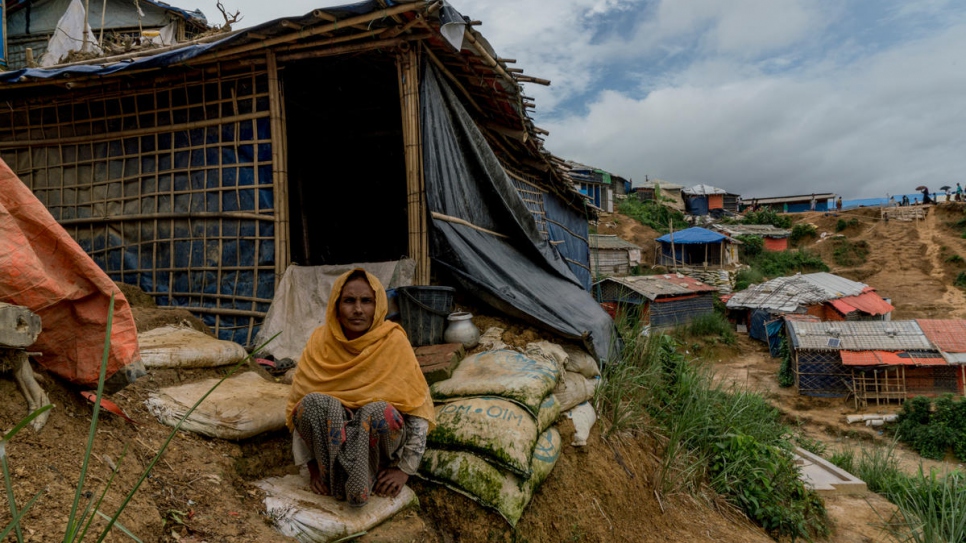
(493, 441)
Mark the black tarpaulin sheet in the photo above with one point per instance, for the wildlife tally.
(569, 229)
(521, 274)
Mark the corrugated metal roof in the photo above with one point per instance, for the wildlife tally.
(834, 285)
(790, 199)
(947, 334)
(858, 336)
(700, 190)
(765, 230)
(599, 241)
(660, 286)
(781, 295)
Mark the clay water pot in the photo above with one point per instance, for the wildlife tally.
(460, 329)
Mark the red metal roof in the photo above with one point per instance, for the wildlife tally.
(948, 335)
(886, 358)
(867, 302)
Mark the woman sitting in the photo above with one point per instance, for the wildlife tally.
(359, 408)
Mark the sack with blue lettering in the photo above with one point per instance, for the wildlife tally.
(497, 429)
(504, 373)
(487, 485)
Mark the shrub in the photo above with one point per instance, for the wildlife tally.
(747, 277)
(954, 259)
(775, 264)
(751, 246)
(842, 224)
(653, 214)
(767, 216)
(849, 253)
(786, 377)
(933, 427)
(960, 280)
(713, 325)
(802, 231)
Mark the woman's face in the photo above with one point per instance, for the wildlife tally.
(357, 305)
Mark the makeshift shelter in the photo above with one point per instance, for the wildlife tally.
(32, 23)
(824, 201)
(201, 172)
(703, 200)
(697, 247)
(597, 185)
(874, 361)
(658, 300)
(823, 295)
(773, 238)
(666, 193)
(611, 255)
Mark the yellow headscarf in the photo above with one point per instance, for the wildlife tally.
(379, 365)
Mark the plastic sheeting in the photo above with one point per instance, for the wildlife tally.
(521, 274)
(69, 36)
(692, 235)
(43, 269)
(566, 225)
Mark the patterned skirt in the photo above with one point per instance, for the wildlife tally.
(349, 447)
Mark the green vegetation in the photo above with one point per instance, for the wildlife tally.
(954, 259)
(747, 277)
(767, 216)
(729, 439)
(849, 253)
(750, 248)
(775, 263)
(931, 508)
(800, 232)
(842, 224)
(653, 214)
(713, 325)
(933, 427)
(960, 280)
(786, 377)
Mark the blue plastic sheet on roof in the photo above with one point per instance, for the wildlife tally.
(693, 235)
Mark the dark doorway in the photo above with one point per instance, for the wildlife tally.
(347, 173)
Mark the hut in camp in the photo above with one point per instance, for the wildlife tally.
(703, 200)
(358, 133)
(697, 247)
(665, 192)
(611, 255)
(825, 296)
(793, 204)
(773, 238)
(599, 186)
(58, 27)
(877, 362)
(660, 301)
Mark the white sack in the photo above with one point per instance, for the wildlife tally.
(177, 347)
(583, 416)
(580, 361)
(550, 351)
(243, 406)
(308, 517)
(69, 36)
(573, 389)
(492, 339)
(507, 374)
(302, 296)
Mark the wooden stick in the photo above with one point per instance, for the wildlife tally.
(457, 220)
(357, 48)
(279, 169)
(174, 215)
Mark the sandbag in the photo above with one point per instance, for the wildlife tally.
(500, 430)
(298, 512)
(549, 411)
(573, 389)
(178, 347)
(507, 374)
(583, 416)
(548, 350)
(483, 483)
(243, 406)
(580, 361)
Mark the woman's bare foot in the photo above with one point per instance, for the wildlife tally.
(315, 477)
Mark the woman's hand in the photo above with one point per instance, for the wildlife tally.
(390, 482)
(317, 484)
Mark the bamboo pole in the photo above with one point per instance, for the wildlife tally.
(407, 71)
(674, 255)
(103, 14)
(457, 220)
(355, 48)
(163, 216)
(279, 168)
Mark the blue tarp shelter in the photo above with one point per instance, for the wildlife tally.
(696, 247)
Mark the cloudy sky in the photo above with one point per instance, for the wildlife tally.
(762, 97)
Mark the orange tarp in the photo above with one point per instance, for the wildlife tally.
(716, 201)
(886, 358)
(867, 302)
(43, 269)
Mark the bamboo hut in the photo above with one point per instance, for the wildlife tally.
(358, 133)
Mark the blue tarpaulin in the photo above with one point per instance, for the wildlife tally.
(693, 235)
(773, 329)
